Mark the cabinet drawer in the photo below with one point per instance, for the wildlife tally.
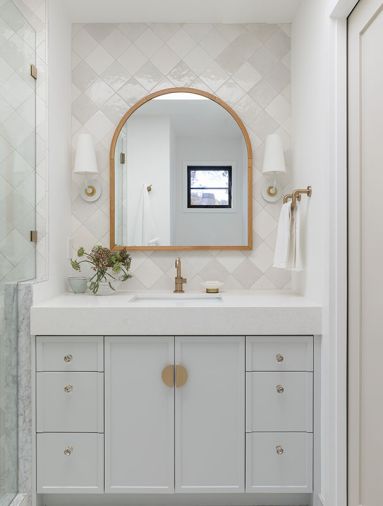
(279, 462)
(278, 353)
(72, 353)
(279, 401)
(70, 463)
(70, 401)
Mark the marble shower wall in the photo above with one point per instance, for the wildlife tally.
(114, 65)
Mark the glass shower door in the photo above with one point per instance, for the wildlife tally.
(17, 217)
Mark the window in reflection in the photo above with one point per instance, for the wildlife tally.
(209, 186)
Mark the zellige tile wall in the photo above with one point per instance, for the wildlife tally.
(115, 65)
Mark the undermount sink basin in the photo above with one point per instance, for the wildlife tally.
(178, 297)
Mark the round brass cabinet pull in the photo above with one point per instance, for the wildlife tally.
(280, 389)
(167, 375)
(181, 375)
(68, 389)
(280, 358)
(280, 450)
(68, 451)
(68, 358)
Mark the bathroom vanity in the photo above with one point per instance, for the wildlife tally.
(132, 397)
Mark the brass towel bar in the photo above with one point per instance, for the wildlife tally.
(296, 195)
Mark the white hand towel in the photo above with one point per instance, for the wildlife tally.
(296, 247)
(145, 229)
(282, 252)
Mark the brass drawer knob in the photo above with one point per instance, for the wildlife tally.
(68, 451)
(68, 358)
(68, 389)
(280, 358)
(280, 450)
(181, 375)
(280, 389)
(167, 375)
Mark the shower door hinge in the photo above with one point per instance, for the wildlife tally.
(33, 235)
(33, 71)
(122, 158)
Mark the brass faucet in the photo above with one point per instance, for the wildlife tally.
(179, 280)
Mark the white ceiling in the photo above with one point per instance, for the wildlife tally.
(182, 11)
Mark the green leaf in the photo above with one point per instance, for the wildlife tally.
(75, 265)
(80, 252)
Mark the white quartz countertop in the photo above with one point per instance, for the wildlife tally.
(160, 313)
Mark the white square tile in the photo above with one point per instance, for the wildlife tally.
(213, 75)
(132, 59)
(148, 43)
(264, 224)
(99, 126)
(247, 76)
(279, 109)
(165, 59)
(181, 43)
(116, 43)
(148, 76)
(83, 44)
(197, 59)
(197, 30)
(213, 42)
(99, 59)
(148, 273)
(116, 75)
(99, 92)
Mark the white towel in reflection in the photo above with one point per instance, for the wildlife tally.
(287, 253)
(145, 230)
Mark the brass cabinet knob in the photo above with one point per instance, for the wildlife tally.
(280, 358)
(280, 450)
(280, 389)
(167, 375)
(68, 451)
(68, 358)
(181, 375)
(68, 389)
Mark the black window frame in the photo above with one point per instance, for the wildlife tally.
(228, 168)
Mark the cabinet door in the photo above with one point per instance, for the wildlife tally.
(139, 417)
(210, 407)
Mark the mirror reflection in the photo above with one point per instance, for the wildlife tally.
(180, 169)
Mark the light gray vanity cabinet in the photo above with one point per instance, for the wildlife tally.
(279, 414)
(174, 414)
(181, 414)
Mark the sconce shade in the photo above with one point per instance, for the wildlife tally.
(85, 159)
(274, 159)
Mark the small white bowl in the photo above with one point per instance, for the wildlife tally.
(77, 284)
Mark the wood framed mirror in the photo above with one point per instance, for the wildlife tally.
(181, 175)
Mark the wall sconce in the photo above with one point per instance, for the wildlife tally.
(273, 164)
(86, 164)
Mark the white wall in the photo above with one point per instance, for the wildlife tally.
(150, 167)
(59, 147)
(318, 97)
(210, 226)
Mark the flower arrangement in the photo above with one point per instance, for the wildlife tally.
(108, 266)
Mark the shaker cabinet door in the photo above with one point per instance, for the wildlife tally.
(139, 416)
(210, 407)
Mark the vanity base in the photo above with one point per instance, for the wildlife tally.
(176, 500)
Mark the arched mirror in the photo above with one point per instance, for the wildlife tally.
(181, 175)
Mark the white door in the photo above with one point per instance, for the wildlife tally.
(210, 408)
(366, 254)
(139, 415)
